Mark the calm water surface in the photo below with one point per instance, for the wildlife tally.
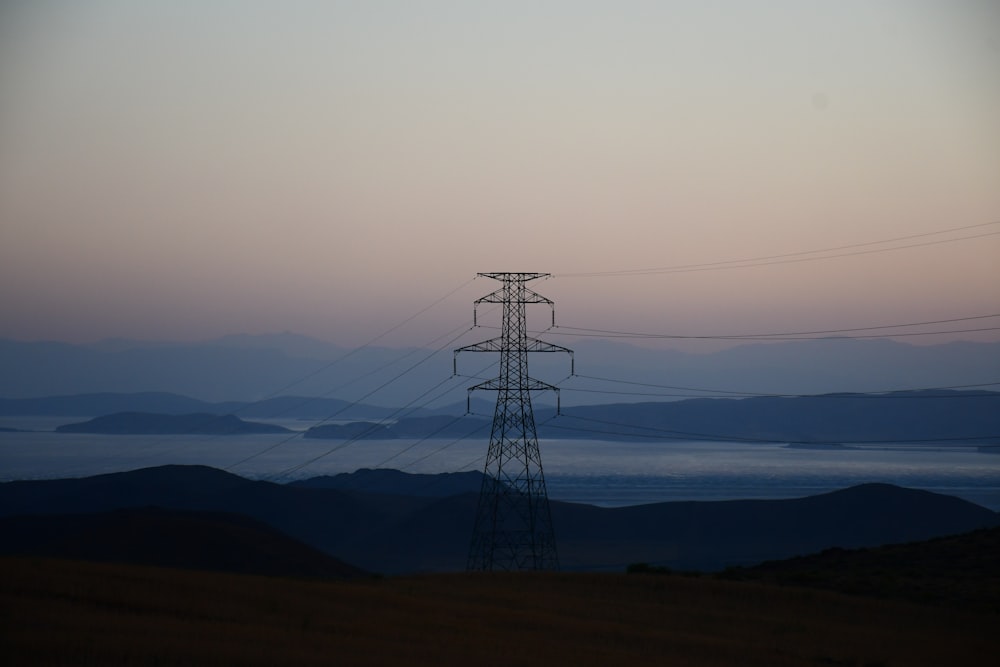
(600, 472)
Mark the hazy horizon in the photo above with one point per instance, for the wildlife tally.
(184, 171)
(682, 346)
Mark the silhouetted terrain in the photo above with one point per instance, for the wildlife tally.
(922, 416)
(144, 423)
(941, 417)
(392, 533)
(170, 538)
(961, 571)
(383, 480)
(958, 417)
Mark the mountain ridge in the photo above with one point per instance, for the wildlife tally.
(392, 533)
(146, 423)
(956, 417)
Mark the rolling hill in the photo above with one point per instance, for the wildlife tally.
(170, 538)
(394, 532)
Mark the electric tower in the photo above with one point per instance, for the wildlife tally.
(513, 529)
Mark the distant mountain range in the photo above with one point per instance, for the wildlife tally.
(145, 423)
(958, 417)
(251, 368)
(404, 532)
(94, 405)
(940, 417)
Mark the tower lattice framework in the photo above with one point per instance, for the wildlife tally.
(513, 526)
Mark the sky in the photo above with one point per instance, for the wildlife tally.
(189, 169)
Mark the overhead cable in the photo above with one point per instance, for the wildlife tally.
(794, 257)
(832, 334)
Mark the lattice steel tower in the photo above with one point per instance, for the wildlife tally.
(513, 529)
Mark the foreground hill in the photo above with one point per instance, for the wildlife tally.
(690, 535)
(170, 538)
(384, 480)
(961, 571)
(394, 533)
(85, 613)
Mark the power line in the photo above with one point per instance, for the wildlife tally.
(476, 429)
(393, 415)
(793, 257)
(473, 431)
(318, 371)
(715, 437)
(465, 329)
(787, 335)
(353, 352)
(791, 338)
(726, 393)
(437, 430)
(360, 436)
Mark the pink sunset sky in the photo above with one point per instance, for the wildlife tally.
(184, 170)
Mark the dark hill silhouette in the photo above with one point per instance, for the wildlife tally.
(322, 518)
(715, 535)
(690, 535)
(388, 481)
(170, 538)
(398, 533)
(145, 423)
(961, 571)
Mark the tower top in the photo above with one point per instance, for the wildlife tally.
(513, 275)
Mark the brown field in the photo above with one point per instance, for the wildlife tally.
(62, 612)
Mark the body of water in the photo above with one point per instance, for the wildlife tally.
(599, 472)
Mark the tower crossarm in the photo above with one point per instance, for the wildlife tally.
(530, 384)
(497, 345)
(500, 296)
(491, 345)
(503, 295)
(514, 276)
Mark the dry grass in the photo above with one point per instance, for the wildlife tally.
(58, 612)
